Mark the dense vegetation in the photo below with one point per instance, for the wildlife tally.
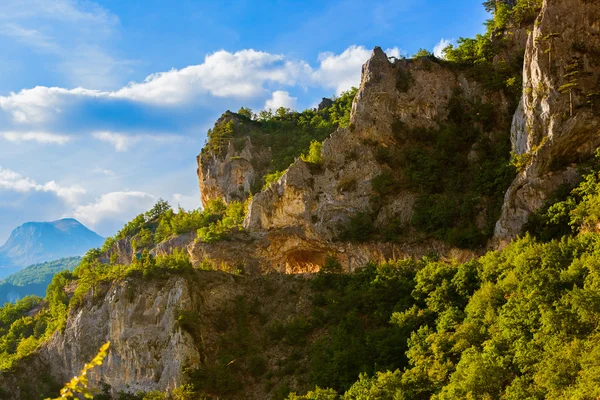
(460, 173)
(516, 324)
(522, 323)
(486, 55)
(215, 222)
(287, 133)
(33, 280)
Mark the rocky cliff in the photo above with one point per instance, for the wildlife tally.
(397, 101)
(423, 159)
(556, 123)
(167, 329)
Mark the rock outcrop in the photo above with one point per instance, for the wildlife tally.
(160, 327)
(557, 122)
(318, 199)
(231, 176)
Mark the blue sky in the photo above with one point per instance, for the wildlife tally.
(105, 104)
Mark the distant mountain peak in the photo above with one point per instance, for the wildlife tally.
(37, 242)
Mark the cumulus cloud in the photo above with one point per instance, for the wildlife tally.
(223, 74)
(114, 206)
(40, 137)
(438, 49)
(280, 98)
(342, 71)
(243, 74)
(11, 180)
(123, 142)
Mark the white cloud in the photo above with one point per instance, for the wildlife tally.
(115, 206)
(59, 10)
(40, 103)
(123, 142)
(223, 74)
(40, 137)
(103, 171)
(10, 180)
(31, 37)
(342, 71)
(280, 98)
(187, 202)
(438, 49)
(243, 74)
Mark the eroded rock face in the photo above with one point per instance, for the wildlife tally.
(230, 176)
(554, 126)
(148, 350)
(121, 252)
(320, 199)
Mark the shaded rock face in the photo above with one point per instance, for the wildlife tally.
(232, 175)
(320, 199)
(122, 253)
(557, 122)
(148, 349)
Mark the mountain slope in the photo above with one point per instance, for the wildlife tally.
(34, 279)
(37, 242)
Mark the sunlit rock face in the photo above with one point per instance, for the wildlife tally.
(556, 124)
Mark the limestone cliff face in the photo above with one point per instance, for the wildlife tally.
(148, 349)
(152, 345)
(318, 199)
(230, 175)
(556, 124)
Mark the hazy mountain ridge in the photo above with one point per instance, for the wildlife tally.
(34, 279)
(38, 242)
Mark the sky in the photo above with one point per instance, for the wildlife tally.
(105, 104)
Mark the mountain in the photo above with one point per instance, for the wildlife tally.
(34, 279)
(352, 258)
(38, 242)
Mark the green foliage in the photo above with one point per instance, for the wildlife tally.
(422, 53)
(479, 53)
(33, 280)
(91, 274)
(453, 190)
(287, 133)
(357, 309)
(570, 211)
(230, 221)
(173, 224)
(384, 184)
(317, 394)
(272, 178)
(332, 265)
(360, 228)
(515, 324)
(314, 153)
(22, 330)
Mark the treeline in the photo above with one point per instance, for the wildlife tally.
(287, 133)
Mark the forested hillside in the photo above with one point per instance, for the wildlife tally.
(430, 235)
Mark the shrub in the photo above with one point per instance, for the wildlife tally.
(360, 228)
(314, 153)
